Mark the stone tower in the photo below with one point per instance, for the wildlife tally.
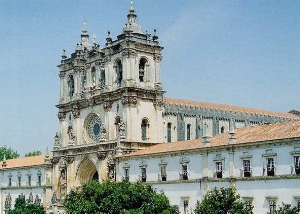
(110, 104)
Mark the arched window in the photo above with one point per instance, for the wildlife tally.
(145, 129)
(169, 137)
(93, 76)
(222, 129)
(142, 67)
(119, 72)
(188, 131)
(71, 86)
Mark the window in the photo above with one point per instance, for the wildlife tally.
(119, 72)
(270, 167)
(269, 163)
(185, 206)
(29, 179)
(184, 172)
(219, 169)
(39, 178)
(169, 132)
(185, 201)
(145, 129)
(9, 179)
(126, 168)
(142, 67)
(222, 129)
(126, 172)
(248, 203)
(163, 172)
(272, 205)
(144, 174)
(246, 168)
(19, 179)
(188, 132)
(297, 165)
(71, 86)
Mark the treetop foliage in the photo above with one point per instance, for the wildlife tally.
(222, 201)
(287, 209)
(9, 153)
(34, 153)
(117, 198)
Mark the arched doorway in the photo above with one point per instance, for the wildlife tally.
(87, 172)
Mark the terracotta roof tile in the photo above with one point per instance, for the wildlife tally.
(250, 134)
(223, 107)
(25, 161)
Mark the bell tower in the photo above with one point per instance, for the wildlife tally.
(110, 104)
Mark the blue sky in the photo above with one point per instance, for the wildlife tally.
(243, 53)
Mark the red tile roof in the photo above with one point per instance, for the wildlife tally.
(25, 161)
(246, 135)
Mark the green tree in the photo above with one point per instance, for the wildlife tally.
(34, 153)
(117, 198)
(222, 201)
(21, 207)
(9, 153)
(287, 209)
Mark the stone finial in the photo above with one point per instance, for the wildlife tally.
(108, 38)
(4, 164)
(155, 37)
(64, 56)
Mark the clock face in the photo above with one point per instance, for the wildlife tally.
(94, 127)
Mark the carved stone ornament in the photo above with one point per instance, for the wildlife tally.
(54, 160)
(157, 57)
(158, 103)
(62, 163)
(101, 155)
(76, 112)
(70, 159)
(111, 167)
(128, 53)
(129, 100)
(56, 140)
(61, 116)
(107, 105)
(91, 101)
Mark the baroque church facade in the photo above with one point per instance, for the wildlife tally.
(112, 105)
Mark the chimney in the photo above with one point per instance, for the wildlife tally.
(4, 161)
(232, 138)
(206, 141)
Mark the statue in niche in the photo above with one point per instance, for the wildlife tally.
(30, 199)
(103, 131)
(63, 183)
(72, 138)
(56, 140)
(111, 167)
(121, 129)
